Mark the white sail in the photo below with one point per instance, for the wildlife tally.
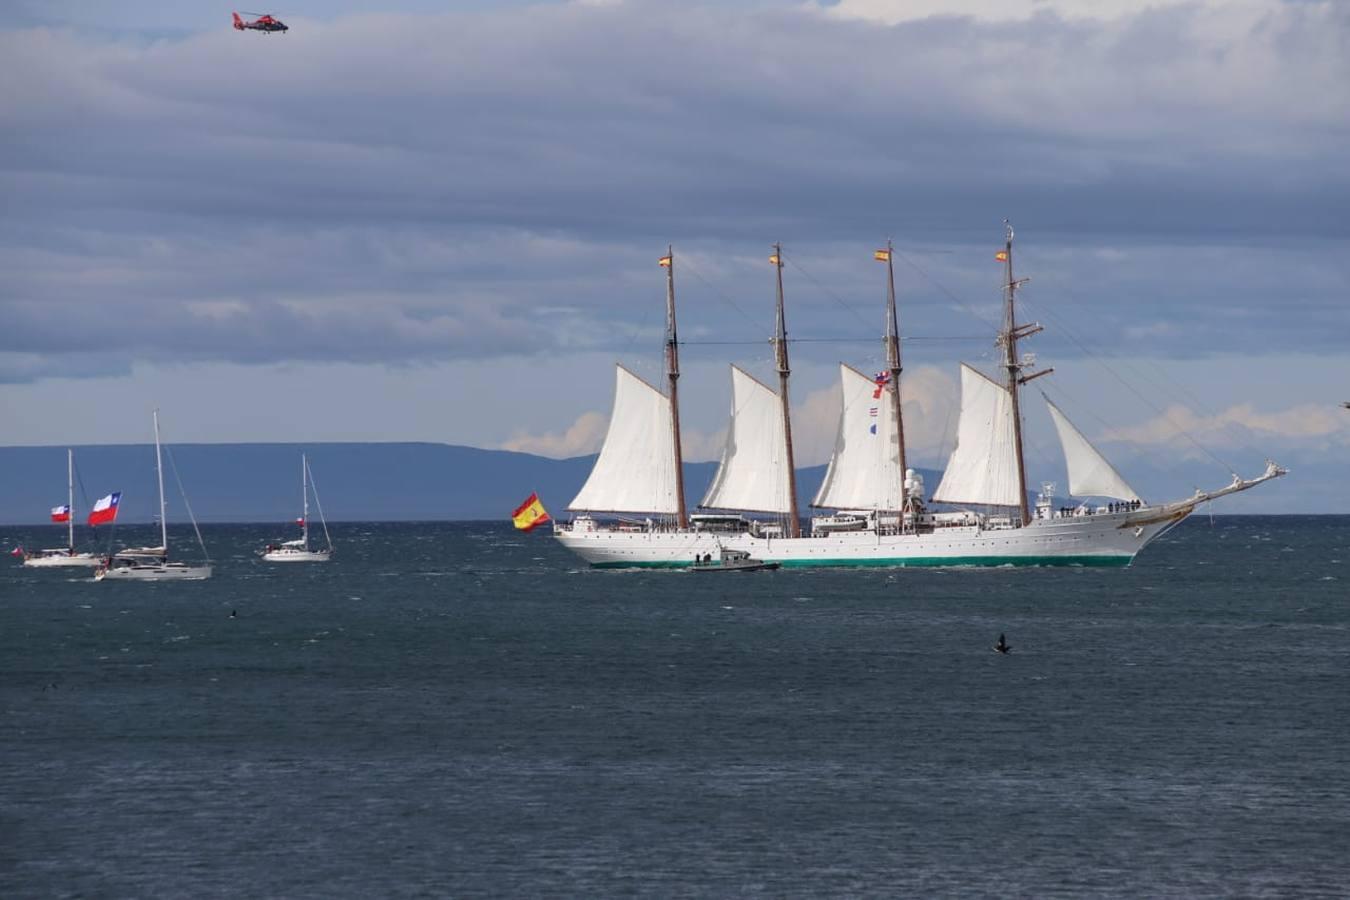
(864, 471)
(1090, 475)
(983, 467)
(753, 475)
(636, 468)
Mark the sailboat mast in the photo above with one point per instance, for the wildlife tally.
(781, 351)
(304, 502)
(70, 499)
(893, 362)
(673, 379)
(1013, 365)
(159, 474)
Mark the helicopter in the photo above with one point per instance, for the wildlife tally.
(264, 23)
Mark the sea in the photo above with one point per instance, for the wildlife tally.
(462, 710)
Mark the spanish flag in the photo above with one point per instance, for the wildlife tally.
(881, 255)
(1001, 256)
(774, 260)
(665, 261)
(530, 514)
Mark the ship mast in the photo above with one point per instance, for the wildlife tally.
(70, 500)
(159, 474)
(673, 379)
(304, 500)
(781, 352)
(1008, 337)
(892, 342)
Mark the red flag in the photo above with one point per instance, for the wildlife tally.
(105, 510)
(299, 520)
(17, 551)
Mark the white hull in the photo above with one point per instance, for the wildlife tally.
(155, 572)
(1109, 539)
(296, 556)
(63, 560)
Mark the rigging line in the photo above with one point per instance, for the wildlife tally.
(322, 517)
(686, 266)
(945, 292)
(1165, 414)
(168, 451)
(829, 293)
(1177, 386)
(942, 440)
(84, 494)
(1129, 387)
(1160, 380)
(1053, 384)
(640, 330)
(1039, 455)
(825, 341)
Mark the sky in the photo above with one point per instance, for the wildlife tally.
(441, 221)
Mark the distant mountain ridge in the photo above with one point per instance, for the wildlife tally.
(419, 481)
(356, 481)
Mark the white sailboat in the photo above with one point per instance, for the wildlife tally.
(299, 550)
(880, 518)
(152, 563)
(64, 557)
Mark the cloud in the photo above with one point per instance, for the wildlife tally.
(582, 438)
(1242, 425)
(400, 190)
(894, 12)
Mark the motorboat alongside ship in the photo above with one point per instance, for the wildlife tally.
(979, 515)
(731, 561)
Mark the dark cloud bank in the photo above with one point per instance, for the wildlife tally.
(396, 188)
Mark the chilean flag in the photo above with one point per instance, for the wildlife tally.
(105, 510)
(61, 513)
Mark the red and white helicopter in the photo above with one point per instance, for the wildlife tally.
(264, 23)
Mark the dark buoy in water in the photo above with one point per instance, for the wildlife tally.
(1002, 645)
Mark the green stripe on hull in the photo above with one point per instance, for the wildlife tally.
(951, 562)
(928, 562)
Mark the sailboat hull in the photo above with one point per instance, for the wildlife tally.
(1098, 540)
(64, 560)
(155, 572)
(296, 556)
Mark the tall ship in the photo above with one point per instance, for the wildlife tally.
(631, 511)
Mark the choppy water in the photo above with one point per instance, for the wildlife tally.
(461, 710)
